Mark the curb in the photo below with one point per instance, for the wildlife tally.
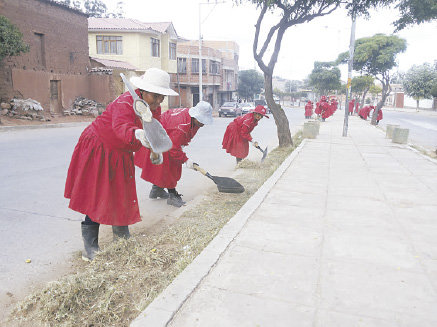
(163, 308)
(57, 125)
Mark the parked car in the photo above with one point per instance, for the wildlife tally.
(262, 103)
(230, 109)
(246, 107)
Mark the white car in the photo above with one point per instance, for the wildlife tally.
(247, 107)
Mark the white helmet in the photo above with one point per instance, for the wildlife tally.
(202, 112)
(154, 80)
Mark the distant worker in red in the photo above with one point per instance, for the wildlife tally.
(318, 110)
(379, 117)
(334, 104)
(237, 136)
(324, 106)
(181, 125)
(308, 110)
(365, 111)
(357, 107)
(351, 107)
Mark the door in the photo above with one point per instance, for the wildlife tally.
(55, 97)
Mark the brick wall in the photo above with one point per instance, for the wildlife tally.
(58, 40)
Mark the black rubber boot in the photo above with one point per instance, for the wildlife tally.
(120, 232)
(158, 192)
(175, 199)
(90, 235)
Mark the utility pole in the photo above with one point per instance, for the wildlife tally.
(349, 77)
(200, 45)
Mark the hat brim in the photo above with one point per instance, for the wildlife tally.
(204, 119)
(141, 84)
(255, 112)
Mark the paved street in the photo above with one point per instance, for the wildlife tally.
(35, 222)
(343, 234)
(422, 126)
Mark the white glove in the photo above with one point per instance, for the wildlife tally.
(156, 158)
(254, 143)
(140, 135)
(189, 164)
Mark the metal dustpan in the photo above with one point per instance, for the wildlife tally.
(224, 184)
(263, 151)
(155, 133)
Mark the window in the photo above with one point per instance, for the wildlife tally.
(194, 66)
(182, 65)
(214, 67)
(155, 47)
(172, 51)
(109, 44)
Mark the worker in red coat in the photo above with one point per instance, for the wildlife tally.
(334, 104)
(379, 117)
(324, 106)
(308, 110)
(318, 110)
(101, 178)
(237, 136)
(351, 106)
(365, 111)
(181, 125)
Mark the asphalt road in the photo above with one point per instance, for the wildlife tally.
(35, 222)
(422, 126)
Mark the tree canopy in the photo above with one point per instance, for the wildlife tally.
(250, 82)
(325, 77)
(11, 39)
(418, 82)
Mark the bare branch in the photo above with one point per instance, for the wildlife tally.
(255, 41)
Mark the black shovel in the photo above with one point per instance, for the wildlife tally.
(263, 151)
(224, 184)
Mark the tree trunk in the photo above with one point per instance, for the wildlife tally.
(384, 93)
(281, 120)
(417, 105)
(363, 99)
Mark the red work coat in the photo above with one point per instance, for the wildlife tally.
(364, 112)
(334, 105)
(237, 136)
(318, 110)
(324, 106)
(309, 109)
(379, 117)
(177, 123)
(351, 106)
(101, 177)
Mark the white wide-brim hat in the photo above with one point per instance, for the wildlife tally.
(202, 112)
(154, 80)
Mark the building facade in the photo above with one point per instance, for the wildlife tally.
(219, 72)
(56, 69)
(142, 45)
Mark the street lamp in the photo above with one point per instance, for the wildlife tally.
(200, 46)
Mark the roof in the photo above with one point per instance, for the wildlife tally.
(115, 63)
(63, 5)
(127, 24)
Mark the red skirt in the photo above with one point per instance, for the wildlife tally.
(234, 144)
(165, 175)
(101, 182)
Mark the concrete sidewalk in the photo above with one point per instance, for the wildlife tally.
(343, 234)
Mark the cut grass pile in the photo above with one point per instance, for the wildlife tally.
(128, 274)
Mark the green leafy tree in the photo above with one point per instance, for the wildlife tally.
(375, 90)
(291, 13)
(325, 77)
(376, 56)
(95, 8)
(250, 82)
(361, 85)
(414, 12)
(11, 40)
(418, 82)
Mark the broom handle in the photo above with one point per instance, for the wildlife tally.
(200, 169)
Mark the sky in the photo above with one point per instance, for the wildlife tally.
(321, 39)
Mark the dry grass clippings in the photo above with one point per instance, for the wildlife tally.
(128, 274)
